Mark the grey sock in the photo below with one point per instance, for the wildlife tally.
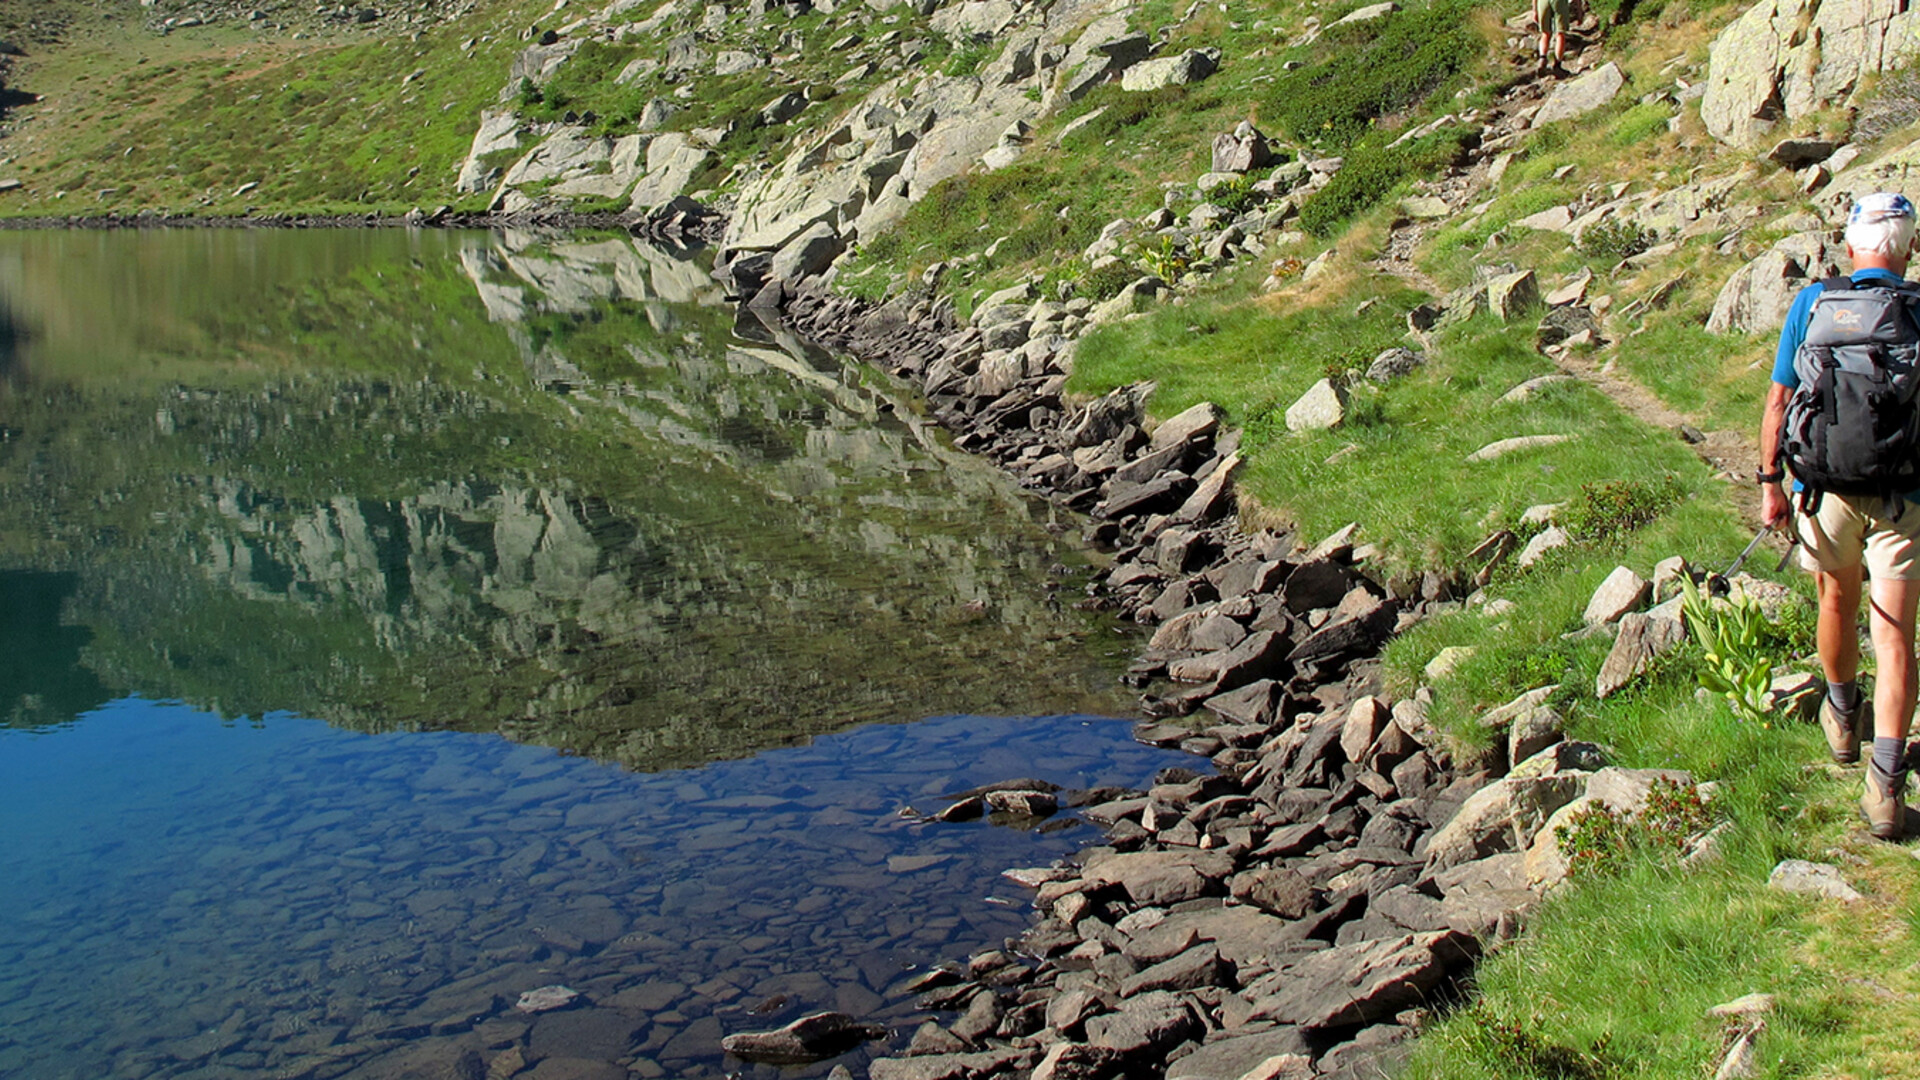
(1889, 755)
(1845, 696)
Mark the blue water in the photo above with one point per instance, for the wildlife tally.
(622, 617)
(188, 897)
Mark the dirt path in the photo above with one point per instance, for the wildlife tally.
(1728, 452)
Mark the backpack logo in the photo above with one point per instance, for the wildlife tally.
(1846, 317)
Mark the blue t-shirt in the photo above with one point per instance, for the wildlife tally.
(1799, 315)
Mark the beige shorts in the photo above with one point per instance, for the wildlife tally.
(1553, 16)
(1847, 528)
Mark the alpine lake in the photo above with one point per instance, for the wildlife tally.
(396, 622)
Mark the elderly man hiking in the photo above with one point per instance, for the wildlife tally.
(1841, 417)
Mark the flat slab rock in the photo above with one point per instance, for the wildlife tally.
(944, 1066)
(1153, 1022)
(1812, 879)
(811, 1038)
(1160, 877)
(1362, 982)
(1232, 1057)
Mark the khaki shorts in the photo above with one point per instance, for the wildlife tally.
(1553, 16)
(1846, 528)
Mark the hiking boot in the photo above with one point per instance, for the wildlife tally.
(1881, 804)
(1843, 729)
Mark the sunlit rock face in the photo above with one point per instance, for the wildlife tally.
(504, 482)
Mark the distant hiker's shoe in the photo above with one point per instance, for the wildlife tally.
(1886, 814)
(1843, 729)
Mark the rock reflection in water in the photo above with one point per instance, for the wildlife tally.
(506, 482)
(187, 899)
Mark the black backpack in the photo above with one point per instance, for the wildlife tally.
(1851, 425)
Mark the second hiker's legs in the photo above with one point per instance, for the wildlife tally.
(1891, 623)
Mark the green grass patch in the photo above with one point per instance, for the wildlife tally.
(1719, 378)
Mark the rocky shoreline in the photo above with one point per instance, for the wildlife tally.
(1249, 915)
(1298, 910)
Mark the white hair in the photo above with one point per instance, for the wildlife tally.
(1881, 234)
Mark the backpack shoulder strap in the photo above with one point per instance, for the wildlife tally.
(1837, 282)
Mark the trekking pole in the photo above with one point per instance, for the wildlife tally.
(1787, 555)
(1754, 543)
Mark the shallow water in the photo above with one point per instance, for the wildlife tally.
(393, 623)
(192, 898)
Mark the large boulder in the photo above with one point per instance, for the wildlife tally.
(672, 162)
(1161, 877)
(1240, 150)
(1104, 49)
(975, 19)
(1785, 59)
(1503, 816)
(499, 131)
(1581, 96)
(1755, 299)
(807, 254)
(1323, 406)
(1642, 640)
(1178, 70)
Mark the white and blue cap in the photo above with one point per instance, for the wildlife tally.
(1882, 223)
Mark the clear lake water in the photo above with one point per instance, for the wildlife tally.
(394, 622)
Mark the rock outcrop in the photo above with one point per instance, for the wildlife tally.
(1755, 299)
(1785, 59)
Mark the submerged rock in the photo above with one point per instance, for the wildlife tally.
(547, 999)
(810, 1038)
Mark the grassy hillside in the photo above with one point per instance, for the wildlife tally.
(1613, 975)
(335, 119)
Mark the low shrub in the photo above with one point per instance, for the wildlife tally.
(1235, 196)
(1371, 173)
(1598, 839)
(1616, 240)
(1609, 508)
(1384, 66)
(970, 59)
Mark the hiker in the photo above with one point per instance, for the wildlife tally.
(1827, 419)
(1552, 17)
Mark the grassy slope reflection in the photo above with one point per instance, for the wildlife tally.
(577, 511)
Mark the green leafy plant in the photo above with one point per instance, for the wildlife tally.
(1385, 67)
(1733, 636)
(1095, 283)
(1370, 174)
(1166, 262)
